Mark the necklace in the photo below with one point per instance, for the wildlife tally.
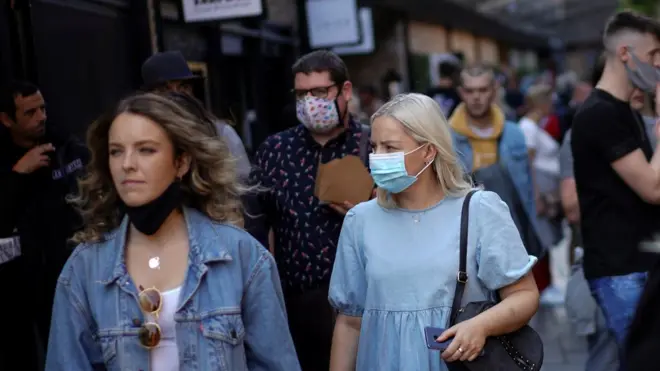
(154, 259)
(154, 263)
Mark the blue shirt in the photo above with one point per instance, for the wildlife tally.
(306, 232)
(512, 153)
(230, 316)
(396, 269)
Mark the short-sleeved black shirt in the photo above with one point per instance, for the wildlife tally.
(614, 218)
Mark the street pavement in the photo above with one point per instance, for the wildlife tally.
(563, 351)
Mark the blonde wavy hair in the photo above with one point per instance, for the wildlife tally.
(210, 186)
(424, 121)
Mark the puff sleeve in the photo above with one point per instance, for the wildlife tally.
(348, 285)
(501, 255)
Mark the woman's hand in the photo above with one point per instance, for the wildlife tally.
(469, 339)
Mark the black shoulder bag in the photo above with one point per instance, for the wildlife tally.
(519, 350)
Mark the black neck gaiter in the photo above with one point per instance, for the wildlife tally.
(148, 218)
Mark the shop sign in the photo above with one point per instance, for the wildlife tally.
(332, 23)
(216, 10)
(367, 44)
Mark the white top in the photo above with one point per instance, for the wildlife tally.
(545, 146)
(482, 132)
(165, 357)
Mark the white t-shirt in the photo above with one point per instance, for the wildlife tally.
(544, 145)
(165, 356)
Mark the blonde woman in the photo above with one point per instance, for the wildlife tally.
(398, 255)
(162, 279)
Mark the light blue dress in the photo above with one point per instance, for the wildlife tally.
(397, 270)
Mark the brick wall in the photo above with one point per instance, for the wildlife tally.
(464, 42)
(489, 51)
(427, 38)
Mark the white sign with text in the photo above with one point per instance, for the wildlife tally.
(367, 45)
(214, 10)
(332, 23)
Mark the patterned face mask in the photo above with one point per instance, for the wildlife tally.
(319, 115)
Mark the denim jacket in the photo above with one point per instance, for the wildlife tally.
(512, 153)
(231, 314)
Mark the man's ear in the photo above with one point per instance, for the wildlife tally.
(347, 90)
(183, 165)
(461, 92)
(623, 52)
(6, 121)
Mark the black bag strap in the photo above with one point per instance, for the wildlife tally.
(462, 276)
(364, 144)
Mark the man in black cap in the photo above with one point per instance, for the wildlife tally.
(169, 71)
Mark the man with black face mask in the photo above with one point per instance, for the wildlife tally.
(306, 232)
(38, 169)
(617, 174)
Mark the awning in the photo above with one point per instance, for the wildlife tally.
(452, 15)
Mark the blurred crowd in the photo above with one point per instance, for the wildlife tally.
(399, 231)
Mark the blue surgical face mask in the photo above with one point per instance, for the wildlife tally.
(389, 171)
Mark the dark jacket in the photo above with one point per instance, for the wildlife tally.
(33, 206)
(643, 345)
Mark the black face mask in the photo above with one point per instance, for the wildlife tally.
(148, 218)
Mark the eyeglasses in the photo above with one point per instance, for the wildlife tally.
(319, 92)
(151, 302)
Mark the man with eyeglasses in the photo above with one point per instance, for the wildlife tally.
(305, 231)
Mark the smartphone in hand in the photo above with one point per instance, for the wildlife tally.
(432, 334)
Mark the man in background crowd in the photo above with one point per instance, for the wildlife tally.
(305, 231)
(494, 150)
(581, 308)
(445, 92)
(369, 101)
(366, 105)
(514, 98)
(617, 174)
(38, 169)
(168, 71)
(580, 93)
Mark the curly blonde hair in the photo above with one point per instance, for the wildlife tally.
(210, 186)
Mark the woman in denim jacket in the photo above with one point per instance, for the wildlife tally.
(163, 278)
(398, 255)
